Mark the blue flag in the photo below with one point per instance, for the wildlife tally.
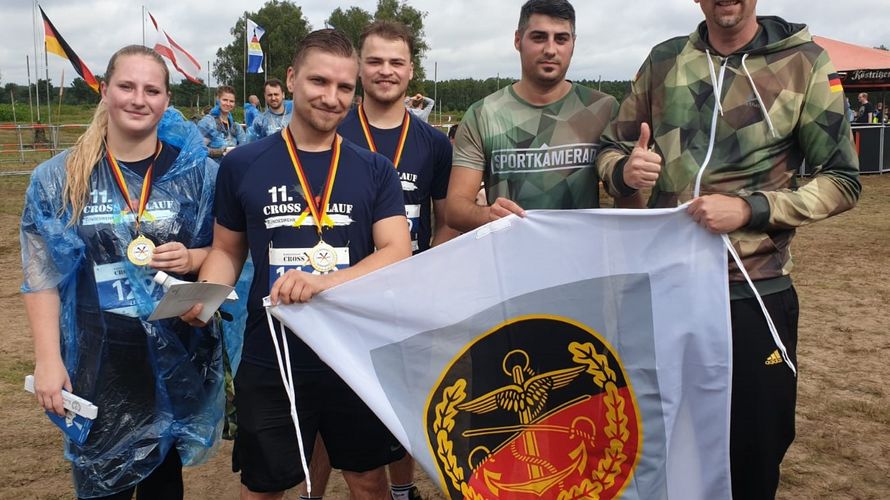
(254, 51)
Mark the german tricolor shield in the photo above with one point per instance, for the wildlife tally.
(537, 407)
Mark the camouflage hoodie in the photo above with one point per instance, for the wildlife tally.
(777, 108)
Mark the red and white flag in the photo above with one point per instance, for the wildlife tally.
(184, 62)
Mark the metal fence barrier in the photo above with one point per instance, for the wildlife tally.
(33, 143)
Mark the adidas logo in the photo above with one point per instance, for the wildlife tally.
(774, 358)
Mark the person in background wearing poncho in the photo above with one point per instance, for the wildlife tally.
(251, 110)
(221, 131)
(275, 117)
(88, 287)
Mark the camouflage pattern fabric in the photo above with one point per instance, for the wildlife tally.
(230, 418)
(537, 156)
(674, 93)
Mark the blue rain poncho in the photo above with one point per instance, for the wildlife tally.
(157, 384)
(250, 113)
(267, 123)
(218, 137)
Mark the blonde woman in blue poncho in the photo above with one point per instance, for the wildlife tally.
(133, 196)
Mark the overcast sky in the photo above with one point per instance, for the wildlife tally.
(467, 38)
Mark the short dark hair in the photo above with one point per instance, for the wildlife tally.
(273, 82)
(389, 30)
(327, 40)
(560, 9)
(225, 89)
(452, 131)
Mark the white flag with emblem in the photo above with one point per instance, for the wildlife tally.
(567, 354)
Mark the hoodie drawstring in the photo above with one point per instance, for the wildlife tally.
(717, 83)
(763, 111)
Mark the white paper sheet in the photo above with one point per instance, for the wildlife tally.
(183, 296)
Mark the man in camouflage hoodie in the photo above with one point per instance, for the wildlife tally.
(744, 100)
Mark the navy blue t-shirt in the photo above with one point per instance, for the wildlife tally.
(423, 170)
(162, 163)
(96, 226)
(258, 192)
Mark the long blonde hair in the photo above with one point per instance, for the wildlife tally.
(89, 148)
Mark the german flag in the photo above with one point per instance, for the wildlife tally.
(57, 45)
(834, 83)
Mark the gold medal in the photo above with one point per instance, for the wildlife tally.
(140, 250)
(323, 257)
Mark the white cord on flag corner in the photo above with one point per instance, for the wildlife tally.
(769, 320)
(284, 369)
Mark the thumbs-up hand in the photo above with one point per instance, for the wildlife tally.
(643, 166)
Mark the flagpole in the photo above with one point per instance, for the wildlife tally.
(436, 89)
(143, 26)
(36, 60)
(49, 104)
(61, 91)
(15, 121)
(244, 75)
(30, 98)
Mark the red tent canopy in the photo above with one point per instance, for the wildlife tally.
(860, 67)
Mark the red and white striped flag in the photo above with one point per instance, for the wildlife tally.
(184, 62)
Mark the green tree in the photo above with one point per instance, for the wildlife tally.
(188, 93)
(47, 93)
(80, 93)
(9, 92)
(351, 22)
(354, 20)
(285, 27)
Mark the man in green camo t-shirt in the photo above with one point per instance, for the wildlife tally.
(533, 142)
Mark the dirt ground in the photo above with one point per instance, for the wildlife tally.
(843, 417)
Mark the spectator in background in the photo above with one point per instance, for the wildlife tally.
(221, 132)
(275, 117)
(251, 110)
(420, 106)
(879, 113)
(866, 111)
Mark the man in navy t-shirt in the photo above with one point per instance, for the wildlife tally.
(421, 156)
(311, 208)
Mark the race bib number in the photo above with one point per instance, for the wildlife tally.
(412, 212)
(282, 260)
(115, 291)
